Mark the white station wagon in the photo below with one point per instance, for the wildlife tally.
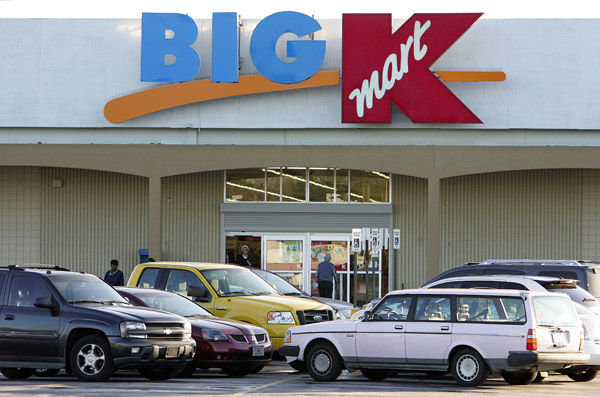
(470, 333)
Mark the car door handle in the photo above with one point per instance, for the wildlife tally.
(445, 328)
(9, 317)
(221, 308)
(399, 327)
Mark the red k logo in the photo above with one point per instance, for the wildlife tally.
(379, 67)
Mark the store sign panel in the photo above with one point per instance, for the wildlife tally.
(379, 68)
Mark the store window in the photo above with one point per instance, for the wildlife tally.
(300, 184)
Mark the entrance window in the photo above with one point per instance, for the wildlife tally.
(245, 185)
(243, 250)
(369, 186)
(301, 184)
(285, 257)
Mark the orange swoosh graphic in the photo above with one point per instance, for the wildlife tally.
(470, 76)
(169, 96)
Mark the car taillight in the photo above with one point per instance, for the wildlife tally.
(531, 340)
(581, 337)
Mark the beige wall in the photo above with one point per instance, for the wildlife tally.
(409, 198)
(95, 217)
(19, 215)
(523, 214)
(191, 217)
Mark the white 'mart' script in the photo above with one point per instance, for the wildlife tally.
(370, 87)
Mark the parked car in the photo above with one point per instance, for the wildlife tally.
(232, 292)
(470, 333)
(588, 273)
(58, 319)
(586, 305)
(343, 310)
(236, 348)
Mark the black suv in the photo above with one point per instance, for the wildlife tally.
(51, 318)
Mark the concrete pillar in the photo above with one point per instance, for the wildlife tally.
(154, 218)
(433, 227)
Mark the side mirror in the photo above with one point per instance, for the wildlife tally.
(367, 315)
(46, 303)
(199, 293)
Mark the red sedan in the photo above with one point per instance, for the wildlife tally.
(236, 348)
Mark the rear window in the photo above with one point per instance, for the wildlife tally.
(559, 273)
(554, 311)
(148, 278)
(576, 293)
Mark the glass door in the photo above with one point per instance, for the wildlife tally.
(284, 255)
(337, 247)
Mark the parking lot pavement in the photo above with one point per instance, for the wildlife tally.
(279, 379)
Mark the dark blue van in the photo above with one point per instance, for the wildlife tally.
(587, 272)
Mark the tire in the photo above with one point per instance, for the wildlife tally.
(298, 365)
(376, 374)
(91, 359)
(539, 378)
(521, 378)
(468, 368)
(237, 372)
(160, 373)
(17, 373)
(46, 372)
(323, 363)
(582, 374)
(187, 371)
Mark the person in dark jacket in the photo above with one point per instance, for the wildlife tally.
(114, 276)
(244, 259)
(325, 274)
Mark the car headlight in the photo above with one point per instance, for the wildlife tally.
(187, 330)
(343, 314)
(288, 337)
(131, 329)
(280, 318)
(214, 335)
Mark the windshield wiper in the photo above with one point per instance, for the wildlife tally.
(83, 301)
(122, 302)
(293, 294)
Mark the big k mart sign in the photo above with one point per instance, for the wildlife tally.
(379, 67)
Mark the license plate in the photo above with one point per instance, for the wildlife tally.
(258, 351)
(559, 339)
(172, 351)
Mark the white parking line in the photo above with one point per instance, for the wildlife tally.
(292, 378)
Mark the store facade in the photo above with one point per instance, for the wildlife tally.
(281, 173)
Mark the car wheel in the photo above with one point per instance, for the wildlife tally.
(91, 359)
(236, 371)
(521, 378)
(539, 377)
(298, 365)
(17, 373)
(582, 374)
(376, 374)
(187, 371)
(46, 372)
(160, 373)
(323, 363)
(468, 368)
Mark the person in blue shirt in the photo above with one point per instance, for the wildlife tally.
(325, 274)
(114, 276)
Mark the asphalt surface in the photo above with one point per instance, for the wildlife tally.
(278, 379)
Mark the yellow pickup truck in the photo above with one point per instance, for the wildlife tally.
(232, 292)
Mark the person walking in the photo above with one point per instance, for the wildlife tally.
(114, 276)
(325, 274)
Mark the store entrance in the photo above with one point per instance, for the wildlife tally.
(296, 257)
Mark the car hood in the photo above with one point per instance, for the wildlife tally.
(134, 313)
(227, 326)
(281, 303)
(336, 304)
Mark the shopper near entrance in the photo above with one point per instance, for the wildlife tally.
(244, 259)
(114, 276)
(325, 274)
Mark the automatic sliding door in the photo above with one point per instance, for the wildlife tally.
(337, 248)
(285, 257)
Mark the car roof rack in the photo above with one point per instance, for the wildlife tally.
(525, 262)
(38, 267)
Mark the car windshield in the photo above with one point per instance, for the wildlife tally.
(172, 303)
(237, 282)
(554, 311)
(85, 288)
(282, 286)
